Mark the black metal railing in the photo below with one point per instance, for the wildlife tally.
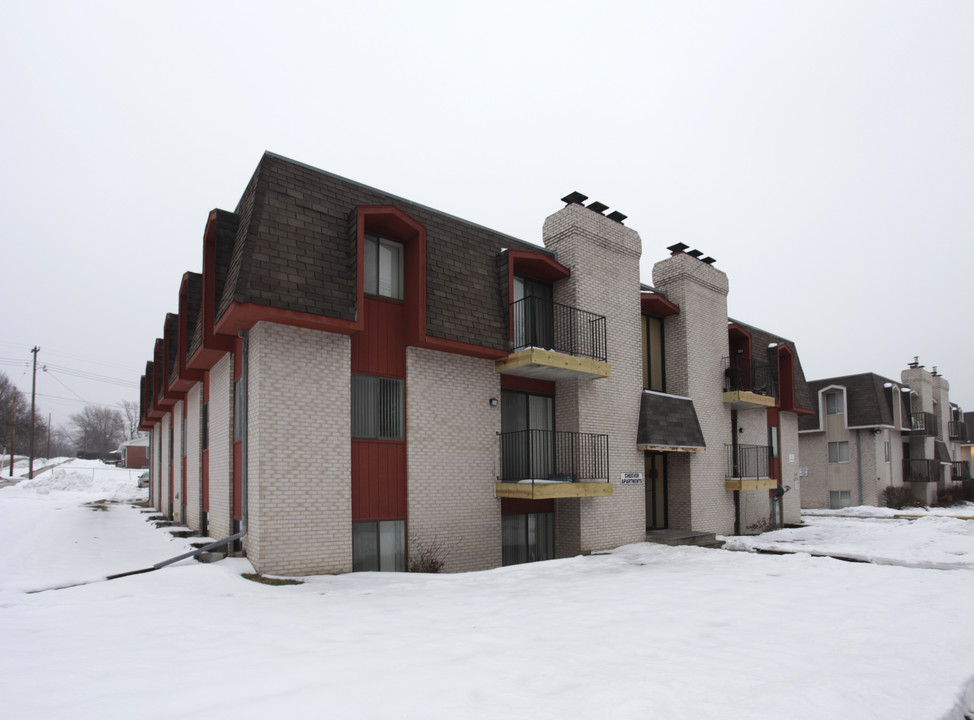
(551, 455)
(921, 470)
(923, 423)
(551, 326)
(957, 431)
(749, 461)
(742, 373)
(960, 470)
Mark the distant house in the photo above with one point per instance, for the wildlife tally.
(869, 433)
(135, 453)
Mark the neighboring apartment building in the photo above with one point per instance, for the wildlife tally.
(354, 377)
(869, 433)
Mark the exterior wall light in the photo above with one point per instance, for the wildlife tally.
(493, 402)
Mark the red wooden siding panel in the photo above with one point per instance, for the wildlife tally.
(380, 348)
(378, 480)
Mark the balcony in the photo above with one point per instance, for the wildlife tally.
(540, 464)
(924, 471)
(957, 431)
(960, 470)
(748, 468)
(555, 342)
(923, 424)
(747, 384)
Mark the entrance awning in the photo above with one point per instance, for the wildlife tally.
(668, 423)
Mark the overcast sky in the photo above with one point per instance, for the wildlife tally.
(820, 151)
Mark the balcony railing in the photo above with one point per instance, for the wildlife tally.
(549, 325)
(750, 461)
(554, 456)
(921, 470)
(742, 373)
(960, 470)
(957, 431)
(923, 423)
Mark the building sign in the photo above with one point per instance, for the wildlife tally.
(634, 478)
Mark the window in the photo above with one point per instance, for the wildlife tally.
(383, 267)
(379, 546)
(839, 499)
(527, 440)
(652, 337)
(886, 451)
(238, 410)
(377, 408)
(839, 452)
(205, 427)
(833, 403)
(527, 538)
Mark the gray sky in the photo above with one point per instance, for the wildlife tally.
(821, 151)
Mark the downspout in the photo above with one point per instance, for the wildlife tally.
(244, 378)
(735, 471)
(859, 463)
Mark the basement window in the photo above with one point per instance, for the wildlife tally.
(839, 499)
(379, 546)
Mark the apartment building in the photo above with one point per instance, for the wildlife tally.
(353, 378)
(869, 433)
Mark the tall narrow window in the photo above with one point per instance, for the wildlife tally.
(652, 332)
(377, 408)
(527, 538)
(533, 314)
(383, 267)
(238, 409)
(205, 427)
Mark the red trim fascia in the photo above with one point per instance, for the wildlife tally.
(656, 305)
(526, 384)
(209, 337)
(185, 375)
(242, 316)
(205, 358)
(157, 386)
(786, 355)
(536, 266)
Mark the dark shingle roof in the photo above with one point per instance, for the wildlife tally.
(868, 400)
(295, 249)
(668, 421)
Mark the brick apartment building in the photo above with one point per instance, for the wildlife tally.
(869, 433)
(353, 377)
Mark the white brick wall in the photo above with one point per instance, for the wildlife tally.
(177, 462)
(453, 458)
(604, 259)
(164, 478)
(300, 503)
(696, 343)
(194, 400)
(221, 447)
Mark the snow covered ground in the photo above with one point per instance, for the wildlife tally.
(643, 632)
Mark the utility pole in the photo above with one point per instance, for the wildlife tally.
(13, 427)
(33, 394)
(49, 435)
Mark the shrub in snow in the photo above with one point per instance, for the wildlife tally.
(899, 498)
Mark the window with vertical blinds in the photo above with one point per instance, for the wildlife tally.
(377, 408)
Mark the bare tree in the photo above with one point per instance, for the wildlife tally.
(131, 409)
(19, 402)
(98, 429)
